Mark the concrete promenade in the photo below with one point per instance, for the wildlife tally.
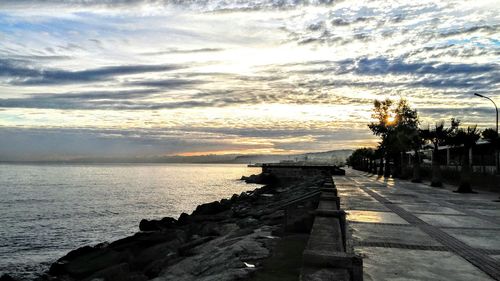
(409, 231)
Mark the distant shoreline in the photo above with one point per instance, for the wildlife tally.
(111, 163)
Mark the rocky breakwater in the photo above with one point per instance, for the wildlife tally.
(222, 240)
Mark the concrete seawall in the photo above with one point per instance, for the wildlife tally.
(328, 254)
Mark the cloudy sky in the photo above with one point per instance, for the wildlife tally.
(88, 78)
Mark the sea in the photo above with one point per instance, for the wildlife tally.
(48, 210)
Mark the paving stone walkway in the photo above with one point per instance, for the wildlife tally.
(409, 231)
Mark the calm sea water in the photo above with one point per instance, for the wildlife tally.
(48, 210)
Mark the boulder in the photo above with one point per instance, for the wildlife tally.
(146, 225)
(119, 272)
(7, 277)
(155, 225)
(184, 219)
(247, 222)
(86, 264)
(234, 198)
(211, 208)
(263, 178)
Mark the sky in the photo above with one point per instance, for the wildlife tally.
(145, 78)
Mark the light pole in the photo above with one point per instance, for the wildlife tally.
(497, 161)
(479, 95)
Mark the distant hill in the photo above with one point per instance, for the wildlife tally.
(334, 156)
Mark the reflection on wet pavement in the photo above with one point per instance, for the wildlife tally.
(374, 217)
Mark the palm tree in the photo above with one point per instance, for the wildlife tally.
(466, 138)
(491, 135)
(438, 136)
(416, 143)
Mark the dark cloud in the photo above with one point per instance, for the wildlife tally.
(135, 99)
(141, 99)
(21, 73)
(165, 83)
(483, 116)
(490, 29)
(380, 66)
(183, 51)
(213, 5)
(78, 100)
(345, 22)
(48, 102)
(433, 74)
(260, 132)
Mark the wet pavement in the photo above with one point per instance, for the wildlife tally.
(409, 231)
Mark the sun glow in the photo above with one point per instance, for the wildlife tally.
(391, 119)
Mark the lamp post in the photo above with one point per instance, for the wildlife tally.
(497, 161)
(479, 95)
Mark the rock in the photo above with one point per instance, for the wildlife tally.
(210, 229)
(225, 203)
(154, 268)
(183, 219)
(7, 277)
(119, 272)
(210, 208)
(263, 178)
(247, 222)
(234, 198)
(156, 252)
(184, 249)
(243, 196)
(155, 225)
(80, 252)
(278, 215)
(146, 225)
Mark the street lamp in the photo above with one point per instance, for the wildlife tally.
(479, 95)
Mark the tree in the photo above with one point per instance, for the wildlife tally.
(406, 130)
(466, 138)
(395, 124)
(382, 127)
(360, 159)
(417, 141)
(438, 136)
(491, 135)
(378, 154)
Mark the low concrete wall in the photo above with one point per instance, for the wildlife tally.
(326, 256)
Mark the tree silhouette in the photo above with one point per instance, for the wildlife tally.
(491, 135)
(466, 138)
(438, 136)
(406, 130)
(360, 159)
(395, 124)
(383, 127)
